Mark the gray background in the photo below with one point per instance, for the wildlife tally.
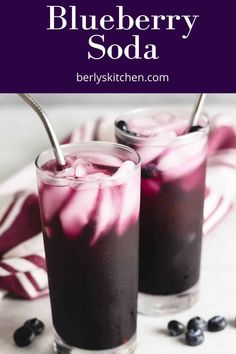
(22, 135)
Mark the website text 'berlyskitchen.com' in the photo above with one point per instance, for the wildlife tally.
(124, 77)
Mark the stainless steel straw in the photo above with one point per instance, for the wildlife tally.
(46, 122)
(197, 110)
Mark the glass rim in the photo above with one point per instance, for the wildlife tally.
(81, 180)
(153, 140)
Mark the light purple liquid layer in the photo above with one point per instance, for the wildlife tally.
(93, 191)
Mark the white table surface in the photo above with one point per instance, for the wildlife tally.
(218, 296)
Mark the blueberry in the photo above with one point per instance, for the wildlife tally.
(196, 323)
(175, 328)
(195, 128)
(36, 325)
(217, 323)
(194, 337)
(122, 125)
(132, 133)
(23, 336)
(149, 171)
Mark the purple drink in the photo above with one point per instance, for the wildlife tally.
(90, 227)
(172, 196)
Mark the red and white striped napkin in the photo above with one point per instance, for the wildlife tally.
(22, 262)
(221, 171)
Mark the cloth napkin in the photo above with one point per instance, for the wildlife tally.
(22, 262)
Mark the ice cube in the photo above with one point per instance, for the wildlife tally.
(144, 122)
(97, 176)
(79, 168)
(163, 118)
(194, 149)
(80, 171)
(150, 124)
(189, 181)
(171, 159)
(66, 172)
(168, 122)
(71, 158)
(124, 171)
(101, 159)
(53, 198)
(106, 213)
(151, 149)
(181, 160)
(78, 161)
(129, 209)
(149, 153)
(143, 126)
(77, 213)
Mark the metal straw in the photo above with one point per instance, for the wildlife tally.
(197, 109)
(51, 134)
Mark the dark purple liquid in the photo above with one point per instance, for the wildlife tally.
(170, 235)
(93, 290)
(171, 216)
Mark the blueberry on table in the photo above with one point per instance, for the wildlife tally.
(194, 337)
(149, 171)
(217, 323)
(195, 128)
(36, 325)
(23, 336)
(175, 328)
(196, 323)
(121, 124)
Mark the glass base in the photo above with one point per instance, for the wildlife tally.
(164, 304)
(60, 347)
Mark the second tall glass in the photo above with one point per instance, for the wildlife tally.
(172, 195)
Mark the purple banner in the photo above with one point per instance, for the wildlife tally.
(125, 46)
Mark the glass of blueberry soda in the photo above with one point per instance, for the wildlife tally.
(173, 166)
(90, 216)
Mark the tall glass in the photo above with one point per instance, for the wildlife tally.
(89, 214)
(172, 195)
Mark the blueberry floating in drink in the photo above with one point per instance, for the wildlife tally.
(149, 171)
